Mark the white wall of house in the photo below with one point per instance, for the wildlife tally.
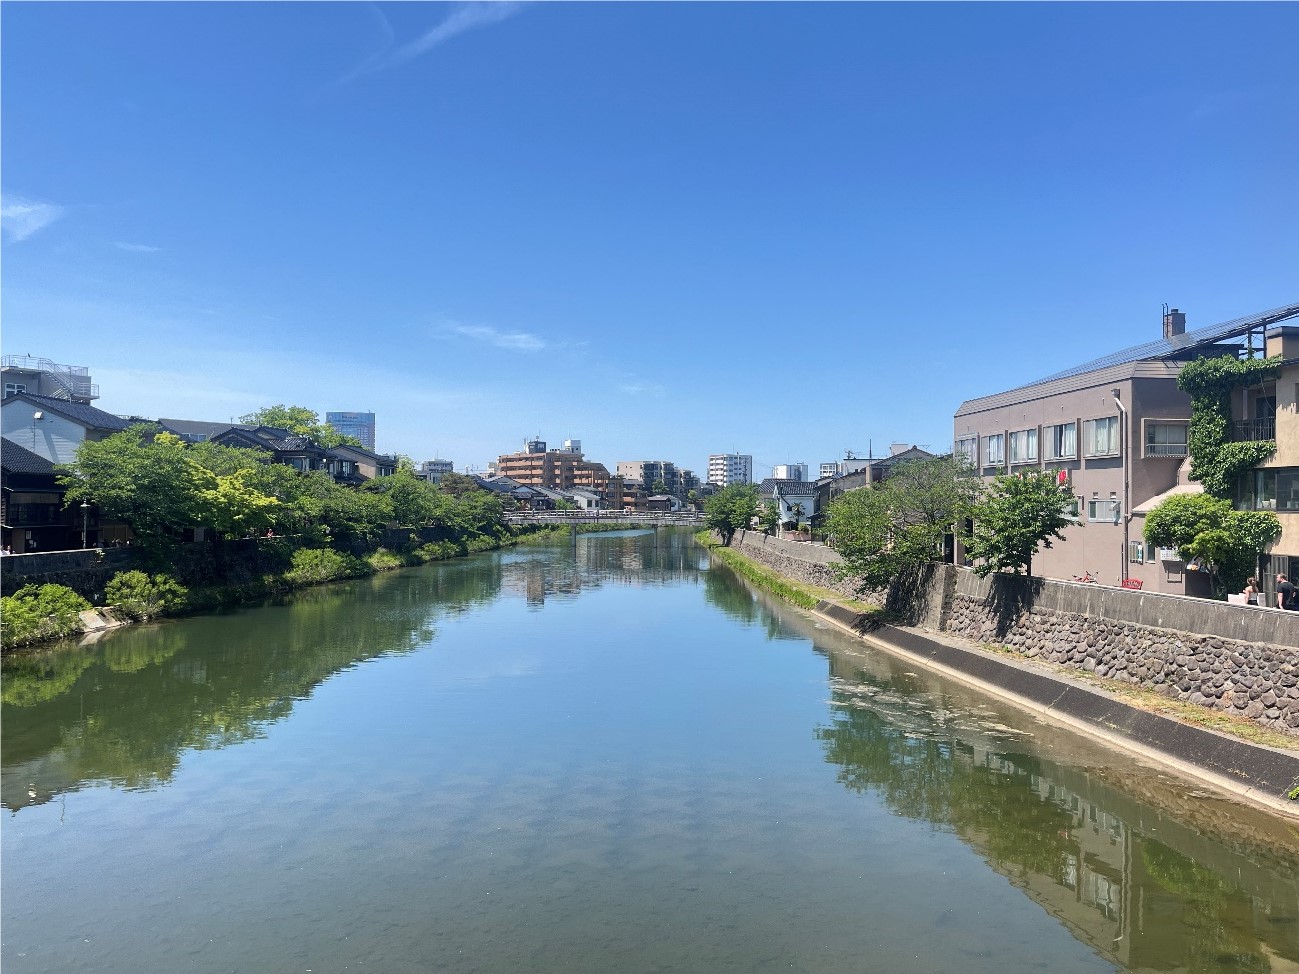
(787, 501)
(51, 436)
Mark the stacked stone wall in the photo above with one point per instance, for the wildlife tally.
(1236, 659)
(1254, 680)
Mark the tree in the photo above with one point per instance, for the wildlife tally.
(897, 525)
(300, 420)
(140, 477)
(769, 517)
(660, 486)
(414, 501)
(1207, 528)
(731, 509)
(1017, 515)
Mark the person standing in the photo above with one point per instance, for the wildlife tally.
(1251, 591)
(1285, 593)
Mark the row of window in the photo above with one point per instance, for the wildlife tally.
(1100, 438)
(1276, 489)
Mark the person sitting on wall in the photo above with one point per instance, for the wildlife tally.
(1285, 593)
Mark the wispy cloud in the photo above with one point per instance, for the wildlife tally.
(21, 217)
(464, 17)
(515, 341)
(640, 389)
(135, 248)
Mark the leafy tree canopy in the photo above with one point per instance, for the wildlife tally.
(300, 420)
(1018, 514)
(899, 524)
(731, 509)
(1206, 527)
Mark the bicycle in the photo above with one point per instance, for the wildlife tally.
(1086, 577)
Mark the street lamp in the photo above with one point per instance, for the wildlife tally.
(85, 523)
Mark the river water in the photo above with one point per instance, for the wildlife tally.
(603, 757)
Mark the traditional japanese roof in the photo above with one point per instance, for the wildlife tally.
(19, 459)
(191, 429)
(77, 412)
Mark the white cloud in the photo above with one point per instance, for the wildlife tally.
(21, 217)
(135, 248)
(465, 17)
(515, 341)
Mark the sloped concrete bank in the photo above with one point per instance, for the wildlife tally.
(1258, 774)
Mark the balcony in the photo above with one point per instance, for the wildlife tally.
(1253, 430)
(1166, 449)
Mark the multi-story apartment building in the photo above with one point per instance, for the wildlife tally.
(1270, 411)
(360, 425)
(1115, 430)
(725, 469)
(434, 470)
(649, 473)
(562, 469)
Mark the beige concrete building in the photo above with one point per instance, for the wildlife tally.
(1115, 430)
(563, 470)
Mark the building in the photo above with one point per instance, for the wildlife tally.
(562, 470)
(360, 425)
(434, 470)
(54, 428)
(789, 471)
(41, 377)
(725, 469)
(32, 515)
(649, 473)
(1115, 430)
(828, 470)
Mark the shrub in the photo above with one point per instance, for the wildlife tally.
(142, 596)
(314, 565)
(437, 551)
(35, 614)
(384, 560)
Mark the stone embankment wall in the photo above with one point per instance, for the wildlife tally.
(1238, 659)
(85, 572)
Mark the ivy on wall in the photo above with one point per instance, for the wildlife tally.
(1216, 462)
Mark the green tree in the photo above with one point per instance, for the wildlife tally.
(731, 509)
(140, 477)
(769, 517)
(660, 486)
(895, 526)
(414, 501)
(300, 420)
(1018, 514)
(1207, 528)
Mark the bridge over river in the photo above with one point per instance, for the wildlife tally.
(614, 519)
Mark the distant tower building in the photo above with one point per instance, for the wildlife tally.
(789, 471)
(829, 470)
(360, 425)
(725, 469)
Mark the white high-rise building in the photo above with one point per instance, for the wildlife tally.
(725, 469)
(790, 471)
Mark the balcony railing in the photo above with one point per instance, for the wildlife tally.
(1166, 449)
(1253, 430)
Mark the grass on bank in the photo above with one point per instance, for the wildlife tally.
(799, 593)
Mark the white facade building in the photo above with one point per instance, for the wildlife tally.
(789, 471)
(725, 469)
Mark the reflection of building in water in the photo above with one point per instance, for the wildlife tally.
(1157, 895)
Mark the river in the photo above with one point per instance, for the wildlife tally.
(607, 756)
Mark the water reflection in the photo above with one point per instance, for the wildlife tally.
(125, 710)
(1144, 890)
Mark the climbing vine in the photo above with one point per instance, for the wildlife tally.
(1216, 461)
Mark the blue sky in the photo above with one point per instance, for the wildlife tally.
(666, 229)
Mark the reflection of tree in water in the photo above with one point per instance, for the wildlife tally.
(887, 741)
(734, 596)
(125, 710)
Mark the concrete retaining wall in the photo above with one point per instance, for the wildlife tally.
(1238, 659)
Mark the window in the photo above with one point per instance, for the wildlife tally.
(1275, 489)
(1136, 553)
(1062, 441)
(1101, 437)
(1101, 509)
(968, 447)
(1165, 439)
(13, 388)
(1023, 446)
(994, 449)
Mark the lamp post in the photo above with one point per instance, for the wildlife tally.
(85, 523)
